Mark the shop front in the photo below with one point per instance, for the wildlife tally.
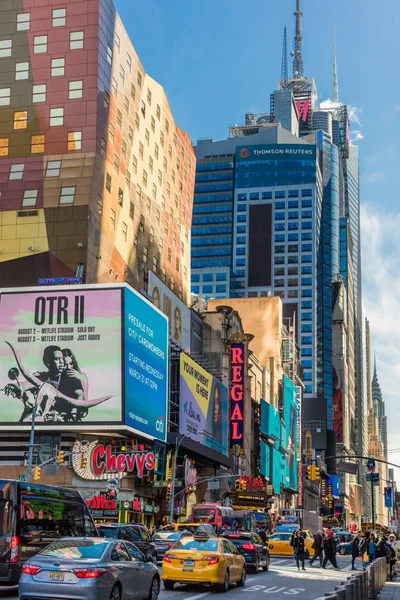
(121, 510)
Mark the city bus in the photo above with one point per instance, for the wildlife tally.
(211, 513)
(31, 517)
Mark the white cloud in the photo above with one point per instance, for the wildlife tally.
(355, 114)
(357, 135)
(327, 104)
(377, 176)
(381, 298)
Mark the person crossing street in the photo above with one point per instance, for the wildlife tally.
(329, 547)
(317, 546)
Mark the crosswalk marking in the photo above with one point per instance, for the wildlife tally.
(278, 562)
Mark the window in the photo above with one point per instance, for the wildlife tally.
(155, 264)
(75, 90)
(306, 304)
(112, 218)
(161, 138)
(59, 17)
(134, 163)
(21, 71)
(151, 164)
(75, 140)
(119, 118)
(111, 133)
(114, 86)
(5, 48)
(117, 42)
(129, 62)
(306, 236)
(293, 294)
(306, 339)
(125, 231)
(108, 182)
(306, 247)
(109, 55)
(126, 104)
(153, 124)
(130, 134)
(177, 264)
(139, 79)
(116, 163)
(16, 172)
(151, 235)
(135, 240)
(30, 197)
(148, 204)
(169, 255)
(138, 192)
(122, 74)
(305, 193)
(99, 204)
(141, 224)
(306, 214)
(76, 40)
(172, 283)
(170, 151)
(21, 119)
(207, 289)
(40, 44)
(278, 272)
(23, 21)
(154, 191)
(174, 138)
(56, 117)
(158, 112)
(144, 178)
(37, 144)
(53, 168)
(5, 96)
(221, 277)
(147, 136)
(167, 126)
(141, 147)
(57, 67)
(293, 270)
(67, 195)
(106, 101)
(149, 97)
(120, 196)
(159, 177)
(128, 178)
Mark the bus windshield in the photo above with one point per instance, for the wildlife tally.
(47, 518)
(204, 514)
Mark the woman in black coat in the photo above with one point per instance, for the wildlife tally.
(299, 547)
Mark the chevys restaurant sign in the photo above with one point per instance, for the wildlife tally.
(236, 408)
(97, 461)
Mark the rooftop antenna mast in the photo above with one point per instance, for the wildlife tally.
(284, 69)
(298, 44)
(335, 73)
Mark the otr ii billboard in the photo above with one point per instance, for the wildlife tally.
(203, 406)
(61, 358)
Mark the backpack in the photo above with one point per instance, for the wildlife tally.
(390, 553)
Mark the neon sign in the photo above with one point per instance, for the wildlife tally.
(236, 408)
(104, 460)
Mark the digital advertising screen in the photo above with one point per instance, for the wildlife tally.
(60, 356)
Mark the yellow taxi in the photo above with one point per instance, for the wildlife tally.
(206, 560)
(279, 545)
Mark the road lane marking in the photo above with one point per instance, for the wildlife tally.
(198, 596)
(278, 562)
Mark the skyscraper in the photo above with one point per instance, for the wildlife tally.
(378, 405)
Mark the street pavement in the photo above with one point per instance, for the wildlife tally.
(283, 579)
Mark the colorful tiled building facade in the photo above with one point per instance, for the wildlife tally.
(94, 174)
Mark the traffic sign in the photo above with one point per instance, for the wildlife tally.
(372, 477)
(371, 465)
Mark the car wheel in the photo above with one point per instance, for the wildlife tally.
(169, 585)
(116, 593)
(225, 586)
(266, 567)
(154, 589)
(256, 566)
(242, 580)
(342, 551)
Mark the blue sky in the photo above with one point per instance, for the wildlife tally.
(218, 59)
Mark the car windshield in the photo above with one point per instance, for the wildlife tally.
(239, 541)
(110, 533)
(209, 545)
(75, 550)
(167, 536)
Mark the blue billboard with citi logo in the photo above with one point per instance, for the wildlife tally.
(146, 366)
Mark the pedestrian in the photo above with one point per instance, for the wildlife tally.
(299, 547)
(371, 548)
(329, 548)
(381, 548)
(355, 550)
(317, 546)
(262, 535)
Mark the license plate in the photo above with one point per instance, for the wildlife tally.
(189, 563)
(56, 576)
(188, 570)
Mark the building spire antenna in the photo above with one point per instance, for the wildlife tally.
(284, 69)
(335, 73)
(298, 44)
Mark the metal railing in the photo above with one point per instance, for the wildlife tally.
(364, 585)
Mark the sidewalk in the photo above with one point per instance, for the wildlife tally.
(391, 590)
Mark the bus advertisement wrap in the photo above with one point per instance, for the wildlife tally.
(203, 406)
(60, 349)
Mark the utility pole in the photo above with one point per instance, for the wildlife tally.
(373, 503)
(31, 443)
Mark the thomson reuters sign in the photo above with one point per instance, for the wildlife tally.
(99, 461)
(244, 153)
(277, 151)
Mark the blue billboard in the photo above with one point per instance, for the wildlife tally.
(289, 418)
(146, 366)
(270, 421)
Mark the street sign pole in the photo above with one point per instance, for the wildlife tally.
(371, 468)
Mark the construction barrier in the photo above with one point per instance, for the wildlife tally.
(363, 585)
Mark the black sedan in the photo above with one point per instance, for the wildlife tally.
(165, 540)
(131, 532)
(251, 546)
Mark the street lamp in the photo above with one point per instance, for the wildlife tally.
(177, 446)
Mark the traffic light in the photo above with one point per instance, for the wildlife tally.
(168, 496)
(243, 484)
(237, 485)
(84, 462)
(309, 473)
(36, 473)
(317, 473)
(60, 457)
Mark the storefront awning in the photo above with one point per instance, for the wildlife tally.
(200, 449)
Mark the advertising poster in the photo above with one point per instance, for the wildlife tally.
(388, 497)
(203, 406)
(60, 350)
(146, 366)
(177, 312)
(290, 419)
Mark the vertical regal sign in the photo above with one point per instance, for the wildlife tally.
(237, 396)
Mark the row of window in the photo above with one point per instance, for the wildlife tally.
(278, 194)
(30, 197)
(292, 248)
(39, 92)
(195, 277)
(292, 260)
(293, 282)
(293, 237)
(293, 214)
(76, 41)
(294, 226)
(59, 19)
(280, 271)
(74, 138)
(208, 289)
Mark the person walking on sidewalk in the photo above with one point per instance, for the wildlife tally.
(371, 548)
(299, 547)
(317, 545)
(355, 550)
(329, 547)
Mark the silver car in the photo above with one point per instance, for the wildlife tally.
(89, 569)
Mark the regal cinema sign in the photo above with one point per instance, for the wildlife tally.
(103, 461)
(237, 392)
